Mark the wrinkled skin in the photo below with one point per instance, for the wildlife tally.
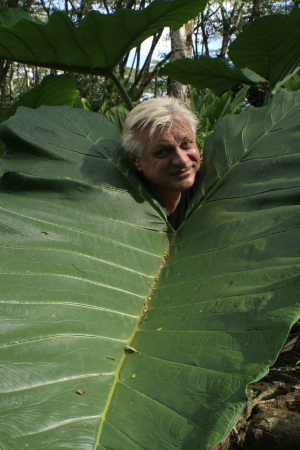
(170, 160)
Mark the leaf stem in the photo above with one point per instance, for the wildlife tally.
(122, 91)
(267, 96)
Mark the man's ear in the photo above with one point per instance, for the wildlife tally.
(135, 160)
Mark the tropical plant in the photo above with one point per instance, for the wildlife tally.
(267, 51)
(76, 11)
(211, 108)
(94, 46)
(117, 331)
(205, 72)
(293, 84)
(219, 20)
(53, 91)
(96, 351)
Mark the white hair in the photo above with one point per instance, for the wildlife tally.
(156, 113)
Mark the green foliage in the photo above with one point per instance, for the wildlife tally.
(268, 48)
(82, 103)
(211, 108)
(10, 16)
(110, 97)
(205, 72)
(84, 241)
(236, 106)
(53, 91)
(117, 116)
(293, 84)
(94, 47)
(91, 88)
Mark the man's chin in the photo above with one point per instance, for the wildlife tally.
(185, 184)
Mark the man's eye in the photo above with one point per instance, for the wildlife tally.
(162, 153)
(186, 144)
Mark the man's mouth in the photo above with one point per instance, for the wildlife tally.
(183, 173)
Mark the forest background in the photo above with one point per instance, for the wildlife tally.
(210, 34)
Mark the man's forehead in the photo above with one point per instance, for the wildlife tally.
(178, 130)
(180, 127)
(169, 136)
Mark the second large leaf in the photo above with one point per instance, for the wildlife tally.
(229, 291)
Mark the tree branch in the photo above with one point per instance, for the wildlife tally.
(147, 62)
(106, 7)
(45, 8)
(136, 95)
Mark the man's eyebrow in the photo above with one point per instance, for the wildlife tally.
(164, 142)
(161, 144)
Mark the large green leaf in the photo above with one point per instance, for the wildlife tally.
(239, 99)
(270, 46)
(10, 16)
(117, 116)
(82, 244)
(84, 249)
(53, 91)
(205, 72)
(98, 43)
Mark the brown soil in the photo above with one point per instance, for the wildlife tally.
(271, 420)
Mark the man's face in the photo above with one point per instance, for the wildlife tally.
(171, 159)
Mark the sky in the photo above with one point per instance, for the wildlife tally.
(163, 46)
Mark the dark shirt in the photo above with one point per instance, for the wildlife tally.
(178, 216)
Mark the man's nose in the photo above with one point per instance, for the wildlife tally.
(180, 158)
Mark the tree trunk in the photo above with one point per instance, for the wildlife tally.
(11, 83)
(26, 77)
(138, 57)
(4, 68)
(229, 23)
(255, 11)
(36, 76)
(205, 49)
(181, 47)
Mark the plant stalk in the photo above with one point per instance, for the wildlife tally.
(122, 91)
(267, 97)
